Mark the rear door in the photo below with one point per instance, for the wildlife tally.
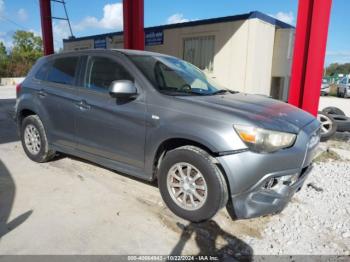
(106, 126)
(58, 94)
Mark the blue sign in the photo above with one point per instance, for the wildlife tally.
(154, 38)
(100, 43)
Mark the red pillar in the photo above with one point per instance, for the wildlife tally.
(46, 26)
(309, 53)
(133, 16)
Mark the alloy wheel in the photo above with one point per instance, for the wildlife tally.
(326, 123)
(187, 186)
(32, 139)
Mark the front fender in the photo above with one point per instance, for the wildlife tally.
(215, 135)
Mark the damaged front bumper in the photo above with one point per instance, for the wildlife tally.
(269, 196)
(262, 184)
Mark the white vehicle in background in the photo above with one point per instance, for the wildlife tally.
(324, 87)
(344, 87)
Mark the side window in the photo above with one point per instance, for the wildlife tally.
(102, 71)
(63, 70)
(41, 74)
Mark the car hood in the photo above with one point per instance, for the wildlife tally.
(257, 109)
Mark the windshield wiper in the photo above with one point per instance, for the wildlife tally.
(223, 91)
(179, 93)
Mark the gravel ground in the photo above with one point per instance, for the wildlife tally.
(317, 221)
(81, 208)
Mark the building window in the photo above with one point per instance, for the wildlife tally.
(200, 51)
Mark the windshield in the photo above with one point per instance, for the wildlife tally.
(173, 76)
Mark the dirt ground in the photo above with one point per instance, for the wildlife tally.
(70, 206)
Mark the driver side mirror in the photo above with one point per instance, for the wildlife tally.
(122, 89)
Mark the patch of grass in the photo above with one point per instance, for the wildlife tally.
(327, 155)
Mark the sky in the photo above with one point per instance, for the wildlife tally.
(102, 16)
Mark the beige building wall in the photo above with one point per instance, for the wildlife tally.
(78, 45)
(282, 58)
(241, 62)
(116, 42)
(260, 42)
(227, 69)
(246, 53)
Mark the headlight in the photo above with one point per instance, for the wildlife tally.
(263, 140)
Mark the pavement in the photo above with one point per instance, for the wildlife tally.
(71, 206)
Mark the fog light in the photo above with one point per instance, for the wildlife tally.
(289, 180)
(270, 183)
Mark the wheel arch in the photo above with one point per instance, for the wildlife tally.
(23, 113)
(172, 143)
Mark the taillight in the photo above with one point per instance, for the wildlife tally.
(18, 89)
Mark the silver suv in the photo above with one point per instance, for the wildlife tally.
(160, 118)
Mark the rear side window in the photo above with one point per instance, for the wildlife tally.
(102, 71)
(41, 74)
(63, 70)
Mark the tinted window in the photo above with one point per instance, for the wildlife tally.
(102, 71)
(63, 70)
(41, 74)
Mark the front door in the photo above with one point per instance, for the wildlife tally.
(106, 126)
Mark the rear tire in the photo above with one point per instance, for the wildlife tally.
(34, 140)
(177, 174)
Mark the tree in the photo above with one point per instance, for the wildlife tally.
(334, 69)
(27, 48)
(3, 60)
(3, 52)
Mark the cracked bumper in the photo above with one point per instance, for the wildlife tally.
(248, 174)
(260, 201)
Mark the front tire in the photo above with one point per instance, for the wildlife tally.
(34, 140)
(191, 185)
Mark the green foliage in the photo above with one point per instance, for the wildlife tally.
(27, 48)
(3, 59)
(3, 52)
(335, 69)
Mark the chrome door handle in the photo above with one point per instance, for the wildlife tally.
(82, 105)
